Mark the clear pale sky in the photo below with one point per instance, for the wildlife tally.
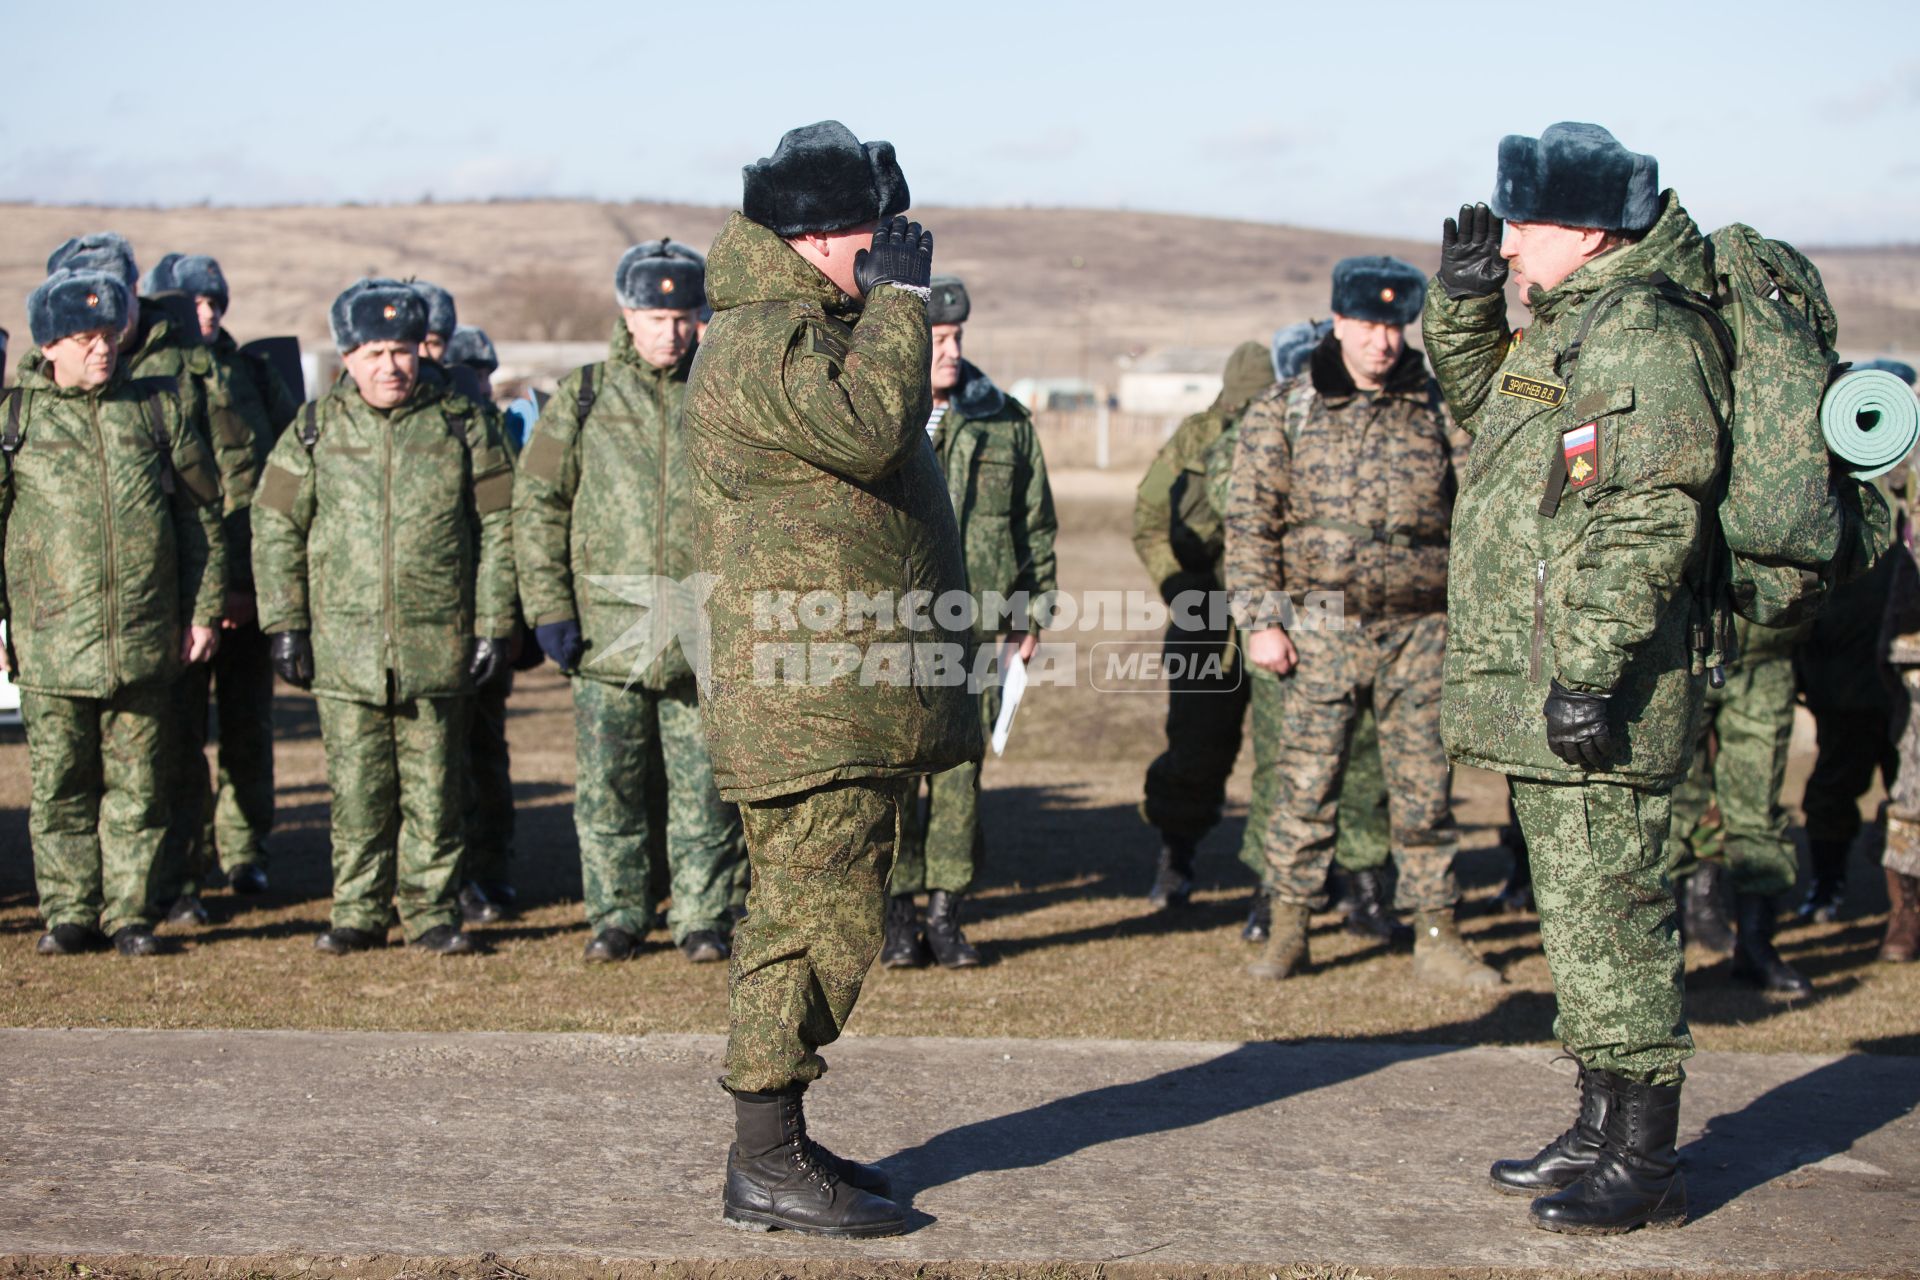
(1803, 119)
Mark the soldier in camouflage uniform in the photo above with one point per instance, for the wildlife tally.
(162, 340)
(1750, 719)
(805, 424)
(1342, 481)
(112, 577)
(248, 399)
(383, 566)
(997, 478)
(1570, 665)
(605, 501)
(1360, 848)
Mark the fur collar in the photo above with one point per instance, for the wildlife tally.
(976, 396)
(1332, 381)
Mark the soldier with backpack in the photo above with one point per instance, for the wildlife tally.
(383, 571)
(603, 522)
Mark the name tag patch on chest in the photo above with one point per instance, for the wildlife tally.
(1581, 446)
(1547, 393)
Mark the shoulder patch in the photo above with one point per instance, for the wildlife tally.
(1640, 310)
(543, 457)
(822, 341)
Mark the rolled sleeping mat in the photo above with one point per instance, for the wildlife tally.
(1871, 421)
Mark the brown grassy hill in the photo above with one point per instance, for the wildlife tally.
(1057, 291)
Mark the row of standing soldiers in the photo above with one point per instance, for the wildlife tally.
(393, 547)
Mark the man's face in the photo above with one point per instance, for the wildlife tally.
(84, 360)
(661, 337)
(211, 314)
(1545, 253)
(946, 357)
(831, 253)
(384, 372)
(434, 347)
(1368, 349)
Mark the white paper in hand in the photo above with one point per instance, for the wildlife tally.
(1013, 683)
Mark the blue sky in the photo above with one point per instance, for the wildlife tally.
(1803, 119)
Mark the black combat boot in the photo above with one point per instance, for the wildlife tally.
(1563, 1161)
(344, 939)
(906, 944)
(705, 946)
(187, 909)
(1259, 917)
(1636, 1181)
(1703, 918)
(248, 880)
(135, 940)
(476, 907)
(70, 940)
(445, 940)
(609, 945)
(1754, 959)
(944, 937)
(1828, 862)
(777, 1176)
(1369, 914)
(1173, 879)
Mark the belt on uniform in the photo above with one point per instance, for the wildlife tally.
(1371, 533)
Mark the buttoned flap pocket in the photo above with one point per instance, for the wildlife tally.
(995, 473)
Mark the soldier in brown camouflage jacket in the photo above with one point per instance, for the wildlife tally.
(1342, 491)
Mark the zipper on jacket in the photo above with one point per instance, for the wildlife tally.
(1539, 620)
(111, 567)
(663, 460)
(387, 607)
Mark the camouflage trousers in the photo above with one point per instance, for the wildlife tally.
(1850, 746)
(1903, 798)
(1394, 667)
(1751, 719)
(814, 924)
(941, 841)
(615, 732)
(223, 819)
(1361, 844)
(397, 773)
(1608, 924)
(490, 779)
(98, 816)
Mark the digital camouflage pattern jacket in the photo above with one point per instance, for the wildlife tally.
(1577, 535)
(607, 497)
(1335, 489)
(997, 479)
(389, 539)
(249, 402)
(805, 420)
(110, 541)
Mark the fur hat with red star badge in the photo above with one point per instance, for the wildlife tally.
(1378, 289)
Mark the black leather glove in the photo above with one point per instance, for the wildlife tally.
(489, 660)
(901, 254)
(1577, 729)
(291, 653)
(1470, 261)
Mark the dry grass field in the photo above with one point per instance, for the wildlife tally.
(1060, 914)
(1058, 292)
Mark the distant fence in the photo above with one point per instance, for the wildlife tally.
(1102, 438)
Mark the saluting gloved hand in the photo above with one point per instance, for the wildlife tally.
(1470, 261)
(1577, 729)
(901, 254)
(562, 642)
(291, 653)
(489, 661)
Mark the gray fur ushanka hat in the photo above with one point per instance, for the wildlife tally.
(948, 303)
(377, 311)
(661, 275)
(106, 251)
(442, 319)
(472, 347)
(822, 178)
(1378, 289)
(1576, 175)
(194, 274)
(74, 301)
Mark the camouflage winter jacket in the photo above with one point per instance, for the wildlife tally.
(805, 422)
(249, 401)
(998, 481)
(607, 497)
(1335, 489)
(1577, 532)
(110, 537)
(389, 538)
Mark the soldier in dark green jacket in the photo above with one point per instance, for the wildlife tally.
(112, 577)
(603, 523)
(827, 530)
(997, 479)
(1571, 665)
(383, 564)
(248, 398)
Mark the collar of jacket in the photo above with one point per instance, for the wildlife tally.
(1673, 245)
(224, 343)
(1333, 384)
(165, 321)
(750, 264)
(976, 396)
(620, 351)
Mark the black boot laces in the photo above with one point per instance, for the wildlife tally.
(807, 1154)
